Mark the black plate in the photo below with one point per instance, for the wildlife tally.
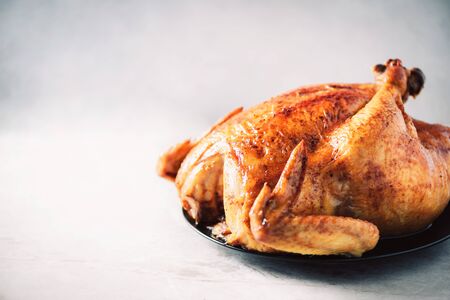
(438, 232)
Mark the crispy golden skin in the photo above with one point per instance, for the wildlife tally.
(319, 170)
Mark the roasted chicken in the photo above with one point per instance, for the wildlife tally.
(320, 170)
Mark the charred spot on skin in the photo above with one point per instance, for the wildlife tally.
(416, 81)
(271, 204)
(339, 86)
(394, 62)
(168, 175)
(377, 184)
(374, 172)
(311, 142)
(380, 68)
(265, 170)
(287, 111)
(343, 175)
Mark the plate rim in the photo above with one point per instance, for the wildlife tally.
(323, 258)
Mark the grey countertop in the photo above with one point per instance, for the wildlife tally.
(92, 93)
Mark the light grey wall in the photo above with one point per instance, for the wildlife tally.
(141, 64)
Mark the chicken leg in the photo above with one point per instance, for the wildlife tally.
(274, 225)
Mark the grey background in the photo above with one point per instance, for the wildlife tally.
(91, 92)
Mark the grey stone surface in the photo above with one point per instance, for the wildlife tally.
(92, 92)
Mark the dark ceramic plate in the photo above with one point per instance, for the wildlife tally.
(438, 232)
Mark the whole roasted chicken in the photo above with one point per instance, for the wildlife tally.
(321, 170)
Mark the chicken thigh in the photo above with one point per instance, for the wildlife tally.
(320, 170)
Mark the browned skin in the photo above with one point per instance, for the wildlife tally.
(319, 170)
